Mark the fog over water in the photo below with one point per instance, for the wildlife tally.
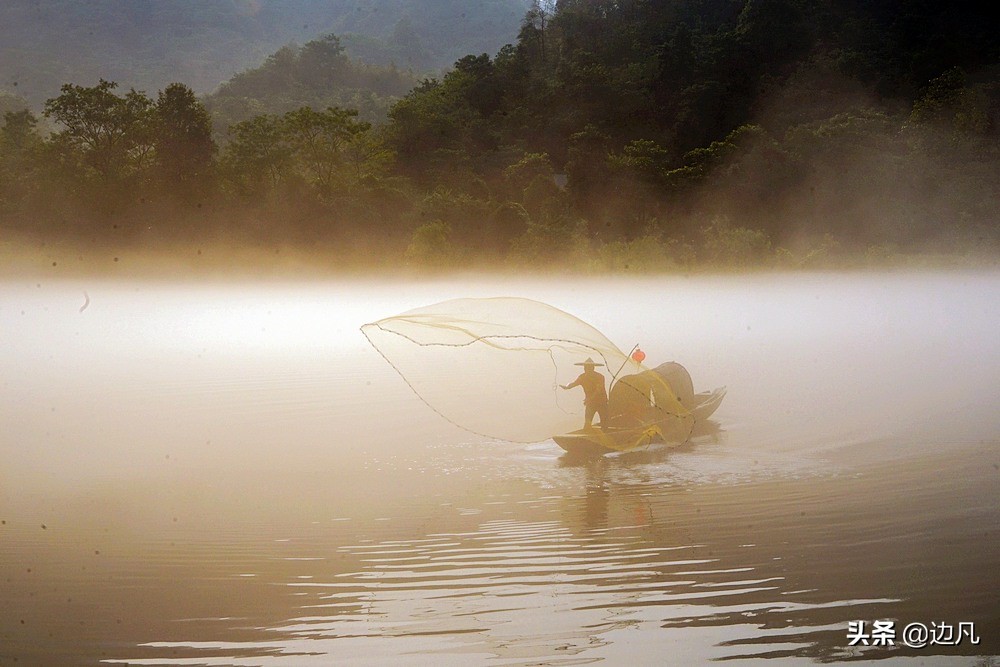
(228, 473)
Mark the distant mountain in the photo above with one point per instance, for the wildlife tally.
(319, 74)
(149, 44)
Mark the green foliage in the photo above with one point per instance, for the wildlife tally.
(646, 254)
(326, 150)
(185, 150)
(428, 35)
(20, 159)
(9, 102)
(322, 63)
(476, 80)
(527, 170)
(257, 156)
(319, 141)
(726, 245)
(19, 135)
(601, 138)
(508, 222)
(111, 133)
(404, 48)
(642, 158)
(530, 185)
(823, 253)
(428, 126)
(547, 243)
(431, 246)
(465, 215)
(439, 125)
(956, 118)
(586, 166)
(318, 74)
(939, 100)
(648, 108)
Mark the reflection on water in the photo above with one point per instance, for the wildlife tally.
(604, 566)
(228, 476)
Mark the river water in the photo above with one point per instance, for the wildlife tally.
(225, 473)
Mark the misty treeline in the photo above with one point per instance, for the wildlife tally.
(148, 44)
(621, 135)
(318, 75)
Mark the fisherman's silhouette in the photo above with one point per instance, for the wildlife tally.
(595, 396)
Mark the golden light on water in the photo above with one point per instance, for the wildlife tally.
(207, 433)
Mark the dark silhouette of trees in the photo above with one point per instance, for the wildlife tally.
(713, 129)
(318, 74)
(319, 141)
(185, 150)
(111, 151)
(20, 160)
(107, 141)
(257, 157)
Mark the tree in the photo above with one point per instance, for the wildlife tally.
(20, 150)
(258, 155)
(476, 77)
(523, 172)
(320, 140)
(431, 246)
(112, 136)
(184, 146)
(12, 102)
(532, 33)
(586, 165)
(428, 123)
(318, 74)
(322, 63)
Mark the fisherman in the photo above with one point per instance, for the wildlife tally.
(595, 396)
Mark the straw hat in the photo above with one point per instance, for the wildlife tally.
(588, 362)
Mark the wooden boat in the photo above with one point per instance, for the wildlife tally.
(597, 441)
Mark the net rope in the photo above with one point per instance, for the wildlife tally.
(493, 367)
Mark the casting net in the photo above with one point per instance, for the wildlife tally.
(494, 367)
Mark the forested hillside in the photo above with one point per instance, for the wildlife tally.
(318, 74)
(149, 44)
(621, 134)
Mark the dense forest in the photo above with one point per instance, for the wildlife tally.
(616, 135)
(319, 74)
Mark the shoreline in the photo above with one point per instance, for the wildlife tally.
(23, 260)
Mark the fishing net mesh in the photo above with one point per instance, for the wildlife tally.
(494, 367)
